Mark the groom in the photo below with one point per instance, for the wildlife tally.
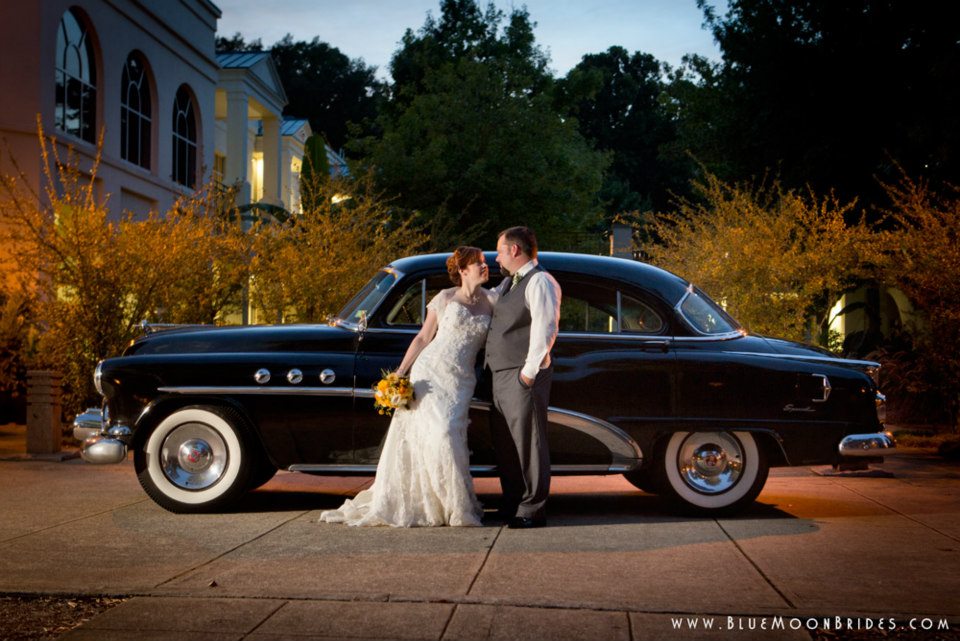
(522, 332)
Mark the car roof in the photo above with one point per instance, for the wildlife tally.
(669, 286)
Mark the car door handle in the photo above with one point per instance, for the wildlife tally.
(663, 345)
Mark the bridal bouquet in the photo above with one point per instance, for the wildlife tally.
(392, 392)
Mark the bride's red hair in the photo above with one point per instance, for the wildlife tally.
(462, 257)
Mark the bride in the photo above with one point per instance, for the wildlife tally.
(423, 477)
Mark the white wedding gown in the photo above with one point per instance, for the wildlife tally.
(423, 477)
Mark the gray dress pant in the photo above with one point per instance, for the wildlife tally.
(519, 431)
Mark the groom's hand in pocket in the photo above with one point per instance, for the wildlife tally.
(527, 382)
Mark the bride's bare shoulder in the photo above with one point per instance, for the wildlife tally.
(492, 295)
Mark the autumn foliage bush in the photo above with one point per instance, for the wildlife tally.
(85, 281)
(923, 260)
(775, 258)
(779, 260)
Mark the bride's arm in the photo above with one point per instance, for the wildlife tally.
(421, 340)
(493, 296)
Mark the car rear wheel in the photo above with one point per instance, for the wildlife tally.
(195, 460)
(712, 473)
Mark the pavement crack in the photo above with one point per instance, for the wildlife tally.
(453, 612)
(226, 552)
(68, 522)
(484, 563)
(755, 566)
(899, 513)
(265, 619)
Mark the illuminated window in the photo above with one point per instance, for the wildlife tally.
(75, 109)
(184, 139)
(135, 122)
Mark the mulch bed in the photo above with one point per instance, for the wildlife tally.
(44, 618)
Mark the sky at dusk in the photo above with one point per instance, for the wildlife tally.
(566, 29)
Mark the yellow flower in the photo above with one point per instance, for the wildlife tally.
(392, 392)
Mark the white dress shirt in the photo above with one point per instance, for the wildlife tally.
(542, 297)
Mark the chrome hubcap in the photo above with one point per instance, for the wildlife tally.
(193, 456)
(710, 462)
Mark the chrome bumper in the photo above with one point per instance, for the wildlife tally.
(876, 444)
(102, 443)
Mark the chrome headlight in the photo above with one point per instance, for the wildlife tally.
(97, 375)
(881, 402)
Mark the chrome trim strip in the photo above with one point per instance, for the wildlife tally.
(624, 450)
(711, 338)
(351, 468)
(390, 330)
(819, 359)
(333, 468)
(619, 311)
(423, 300)
(580, 335)
(279, 391)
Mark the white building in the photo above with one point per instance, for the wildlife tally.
(144, 72)
(173, 112)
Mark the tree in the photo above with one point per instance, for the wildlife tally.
(322, 84)
(829, 92)
(471, 140)
(616, 99)
(314, 172)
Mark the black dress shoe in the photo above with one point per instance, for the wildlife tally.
(526, 522)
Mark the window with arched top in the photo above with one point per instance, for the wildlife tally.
(184, 139)
(75, 110)
(135, 109)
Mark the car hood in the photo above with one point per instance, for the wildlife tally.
(245, 339)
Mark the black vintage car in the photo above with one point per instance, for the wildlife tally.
(653, 380)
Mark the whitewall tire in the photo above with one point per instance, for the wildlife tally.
(712, 473)
(195, 460)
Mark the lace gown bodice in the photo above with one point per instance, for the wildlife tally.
(423, 477)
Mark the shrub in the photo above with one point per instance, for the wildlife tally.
(775, 258)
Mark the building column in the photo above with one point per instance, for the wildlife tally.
(238, 157)
(271, 161)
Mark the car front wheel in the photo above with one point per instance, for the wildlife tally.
(712, 473)
(195, 460)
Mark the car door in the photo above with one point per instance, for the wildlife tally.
(382, 347)
(614, 366)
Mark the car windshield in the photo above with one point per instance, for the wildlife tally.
(704, 315)
(369, 297)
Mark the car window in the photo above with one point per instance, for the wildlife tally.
(704, 315)
(636, 317)
(587, 307)
(408, 309)
(368, 297)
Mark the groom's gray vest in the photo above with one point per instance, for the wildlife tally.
(509, 337)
